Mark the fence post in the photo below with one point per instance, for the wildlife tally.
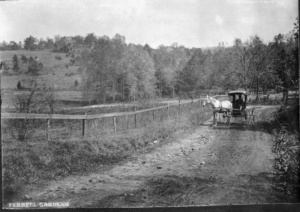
(200, 101)
(179, 108)
(48, 129)
(168, 110)
(127, 122)
(135, 117)
(84, 125)
(153, 115)
(115, 124)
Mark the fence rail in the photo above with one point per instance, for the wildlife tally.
(91, 116)
(86, 117)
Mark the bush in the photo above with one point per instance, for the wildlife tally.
(5, 68)
(58, 57)
(24, 59)
(17, 171)
(287, 116)
(69, 74)
(20, 129)
(287, 158)
(286, 147)
(72, 62)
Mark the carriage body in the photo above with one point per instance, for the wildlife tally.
(238, 99)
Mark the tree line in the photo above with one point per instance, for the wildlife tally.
(56, 44)
(114, 70)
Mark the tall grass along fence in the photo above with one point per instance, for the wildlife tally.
(111, 122)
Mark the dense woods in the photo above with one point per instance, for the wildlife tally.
(113, 70)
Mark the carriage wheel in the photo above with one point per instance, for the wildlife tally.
(250, 116)
(246, 115)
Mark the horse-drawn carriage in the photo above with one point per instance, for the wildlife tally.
(239, 103)
(236, 107)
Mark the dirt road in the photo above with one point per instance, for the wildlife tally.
(221, 166)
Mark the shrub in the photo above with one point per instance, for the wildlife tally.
(5, 68)
(58, 57)
(69, 74)
(72, 62)
(287, 117)
(24, 59)
(286, 149)
(17, 171)
(287, 152)
(20, 129)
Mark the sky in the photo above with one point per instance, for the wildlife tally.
(192, 23)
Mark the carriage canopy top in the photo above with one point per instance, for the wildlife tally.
(238, 92)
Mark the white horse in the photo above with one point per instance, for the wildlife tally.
(218, 107)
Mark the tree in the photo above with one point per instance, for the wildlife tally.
(19, 85)
(103, 69)
(259, 67)
(13, 45)
(62, 44)
(163, 68)
(169, 61)
(49, 43)
(34, 68)
(78, 40)
(241, 59)
(30, 43)
(3, 45)
(285, 62)
(96, 62)
(90, 39)
(296, 30)
(30, 102)
(76, 83)
(250, 64)
(42, 44)
(24, 58)
(16, 67)
(148, 49)
(57, 39)
(20, 45)
(30, 59)
(193, 76)
(5, 67)
(138, 73)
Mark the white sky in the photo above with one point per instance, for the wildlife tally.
(192, 23)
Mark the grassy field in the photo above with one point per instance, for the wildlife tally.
(54, 73)
(57, 75)
(35, 160)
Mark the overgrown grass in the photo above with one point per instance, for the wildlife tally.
(36, 159)
(284, 125)
(53, 75)
(286, 147)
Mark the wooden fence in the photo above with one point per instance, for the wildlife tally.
(84, 118)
